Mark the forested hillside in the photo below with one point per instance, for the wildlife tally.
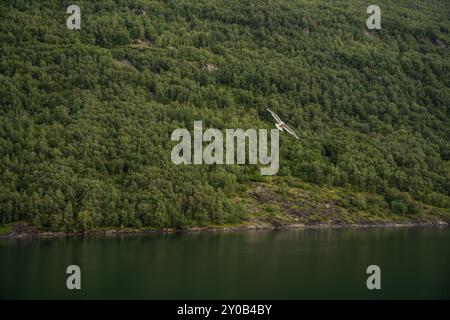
(86, 115)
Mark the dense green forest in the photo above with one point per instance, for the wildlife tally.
(86, 115)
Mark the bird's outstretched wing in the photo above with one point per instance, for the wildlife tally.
(285, 127)
(274, 115)
(282, 124)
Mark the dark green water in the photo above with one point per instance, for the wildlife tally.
(297, 264)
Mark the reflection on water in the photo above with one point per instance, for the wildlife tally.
(295, 264)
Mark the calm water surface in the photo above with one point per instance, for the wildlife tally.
(297, 264)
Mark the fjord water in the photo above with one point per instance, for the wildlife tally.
(289, 264)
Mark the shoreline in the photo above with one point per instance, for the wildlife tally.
(239, 228)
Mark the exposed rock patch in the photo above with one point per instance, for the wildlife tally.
(124, 62)
(210, 67)
(439, 43)
(141, 44)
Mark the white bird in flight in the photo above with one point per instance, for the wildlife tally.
(281, 125)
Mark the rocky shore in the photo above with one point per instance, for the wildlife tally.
(27, 232)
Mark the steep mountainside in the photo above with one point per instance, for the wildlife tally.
(86, 115)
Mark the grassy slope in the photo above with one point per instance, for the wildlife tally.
(289, 202)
